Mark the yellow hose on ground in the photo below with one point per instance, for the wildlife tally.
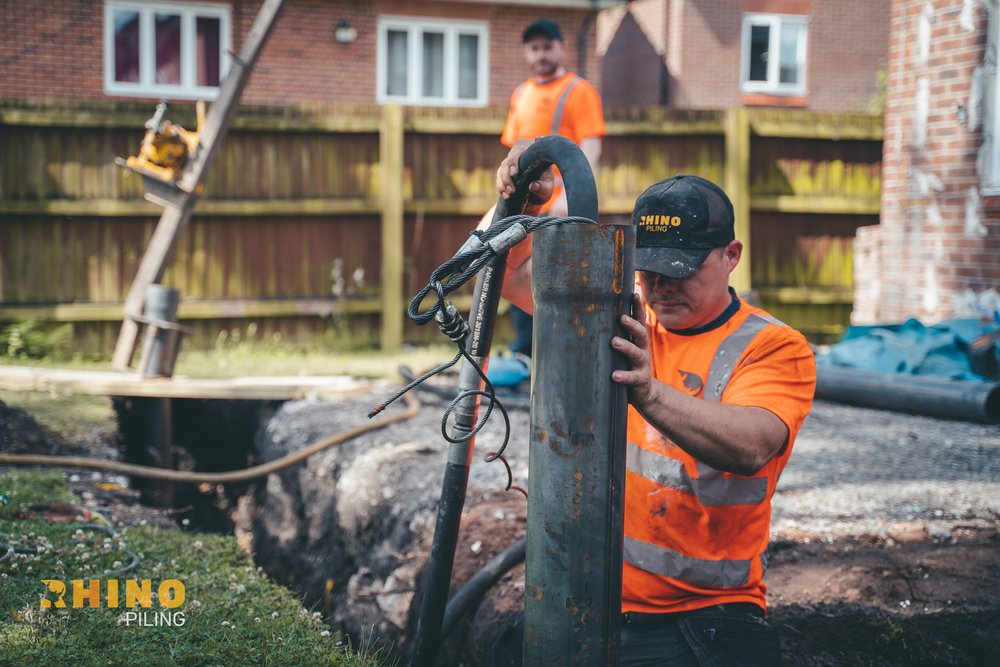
(262, 470)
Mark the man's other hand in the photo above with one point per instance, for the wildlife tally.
(540, 191)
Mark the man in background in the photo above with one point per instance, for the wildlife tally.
(554, 101)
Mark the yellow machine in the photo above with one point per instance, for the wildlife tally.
(166, 147)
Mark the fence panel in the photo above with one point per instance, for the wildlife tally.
(287, 239)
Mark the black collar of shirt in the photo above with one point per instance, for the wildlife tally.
(730, 310)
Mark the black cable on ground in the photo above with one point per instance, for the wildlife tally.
(475, 588)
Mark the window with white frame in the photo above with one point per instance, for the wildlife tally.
(165, 49)
(432, 62)
(774, 54)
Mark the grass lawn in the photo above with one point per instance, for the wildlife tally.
(232, 614)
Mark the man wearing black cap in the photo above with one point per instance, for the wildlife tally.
(554, 101)
(717, 390)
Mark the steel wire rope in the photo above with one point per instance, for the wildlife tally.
(481, 248)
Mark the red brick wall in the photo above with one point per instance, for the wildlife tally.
(48, 54)
(936, 251)
(702, 45)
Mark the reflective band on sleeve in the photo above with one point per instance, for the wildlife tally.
(658, 560)
(712, 488)
(557, 116)
(729, 353)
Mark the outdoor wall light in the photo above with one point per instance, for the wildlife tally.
(344, 32)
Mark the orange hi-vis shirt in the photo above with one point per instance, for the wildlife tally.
(568, 106)
(695, 536)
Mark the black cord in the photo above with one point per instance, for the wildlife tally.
(481, 248)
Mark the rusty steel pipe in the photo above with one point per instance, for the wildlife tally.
(581, 197)
(582, 283)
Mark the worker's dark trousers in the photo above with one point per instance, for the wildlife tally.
(720, 636)
(522, 322)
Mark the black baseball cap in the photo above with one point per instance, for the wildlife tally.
(678, 223)
(542, 28)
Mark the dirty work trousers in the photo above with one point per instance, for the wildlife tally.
(732, 635)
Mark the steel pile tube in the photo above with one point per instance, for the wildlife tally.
(581, 196)
(582, 283)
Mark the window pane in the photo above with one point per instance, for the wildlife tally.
(789, 64)
(395, 76)
(468, 67)
(433, 49)
(208, 51)
(168, 48)
(126, 46)
(760, 37)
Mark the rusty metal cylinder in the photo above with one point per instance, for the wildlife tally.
(582, 283)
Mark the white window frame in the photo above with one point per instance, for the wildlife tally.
(415, 26)
(147, 86)
(772, 86)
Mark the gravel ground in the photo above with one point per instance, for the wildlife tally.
(852, 470)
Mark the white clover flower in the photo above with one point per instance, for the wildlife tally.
(274, 614)
(117, 564)
(256, 619)
(198, 544)
(227, 624)
(195, 604)
(325, 633)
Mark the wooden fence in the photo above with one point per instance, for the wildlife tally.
(321, 222)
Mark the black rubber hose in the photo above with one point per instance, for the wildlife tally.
(915, 394)
(475, 588)
(581, 198)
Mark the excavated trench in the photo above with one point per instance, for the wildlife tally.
(885, 535)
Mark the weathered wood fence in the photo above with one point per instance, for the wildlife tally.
(319, 223)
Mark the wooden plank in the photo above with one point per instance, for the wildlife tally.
(391, 194)
(801, 124)
(809, 295)
(204, 309)
(817, 204)
(108, 383)
(737, 186)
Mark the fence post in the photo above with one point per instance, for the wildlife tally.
(391, 196)
(737, 186)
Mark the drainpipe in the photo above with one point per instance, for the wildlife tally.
(581, 39)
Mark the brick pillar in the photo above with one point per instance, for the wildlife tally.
(936, 252)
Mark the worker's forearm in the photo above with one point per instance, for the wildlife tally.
(733, 438)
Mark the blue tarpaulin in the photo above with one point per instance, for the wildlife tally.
(955, 348)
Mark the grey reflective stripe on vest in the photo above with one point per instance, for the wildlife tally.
(712, 487)
(557, 116)
(729, 353)
(718, 573)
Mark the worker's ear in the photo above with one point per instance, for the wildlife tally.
(731, 254)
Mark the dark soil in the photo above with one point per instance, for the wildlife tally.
(898, 597)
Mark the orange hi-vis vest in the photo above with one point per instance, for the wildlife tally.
(568, 106)
(695, 536)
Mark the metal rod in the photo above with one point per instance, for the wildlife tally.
(582, 283)
(581, 196)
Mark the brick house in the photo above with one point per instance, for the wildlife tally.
(936, 252)
(713, 54)
(465, 53)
